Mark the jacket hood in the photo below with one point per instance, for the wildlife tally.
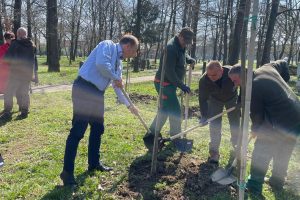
(283, 69)
(27, 42)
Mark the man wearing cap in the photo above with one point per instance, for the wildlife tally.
(176, 59)
(217, 91)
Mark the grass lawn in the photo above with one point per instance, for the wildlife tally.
(33, 149)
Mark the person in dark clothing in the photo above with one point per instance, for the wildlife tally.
(176, 59)
(272, 100)
(217, 91)
(20, 57)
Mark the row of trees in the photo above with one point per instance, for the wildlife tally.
(74, 27)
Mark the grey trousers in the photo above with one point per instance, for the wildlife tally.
(215, 107)
(20, 88)
(271, 146)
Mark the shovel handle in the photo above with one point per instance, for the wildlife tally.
(199, 125)
(138, 114)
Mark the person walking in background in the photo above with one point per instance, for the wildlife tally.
(20, 57)
(217, 91)
(103, 66)
(173, 79)
(8, 37)
(275, 116)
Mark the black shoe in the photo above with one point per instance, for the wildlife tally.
(1, 161)
(23, 115)
(149, 140)
(101, 168)
(6, 115)
(67, 178)
(253, 195)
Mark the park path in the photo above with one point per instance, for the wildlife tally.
(64, 87)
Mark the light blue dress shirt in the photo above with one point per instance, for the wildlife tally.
(104, 65)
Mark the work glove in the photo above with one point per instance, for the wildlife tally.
(203, 121)
(185, 89)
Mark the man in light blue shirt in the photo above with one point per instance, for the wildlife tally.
(102, 67)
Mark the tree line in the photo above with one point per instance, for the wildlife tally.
(74, 27)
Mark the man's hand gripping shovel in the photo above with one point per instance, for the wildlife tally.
(184, 144)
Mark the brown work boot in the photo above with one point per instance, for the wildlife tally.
(213, 157)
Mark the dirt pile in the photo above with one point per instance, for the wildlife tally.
(179, 176)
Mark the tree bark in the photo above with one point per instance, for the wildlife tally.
(52, 37)
(235, 40)
(17, 15)
(196, 9)
(269, 35)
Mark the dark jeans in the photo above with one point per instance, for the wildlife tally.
(88, 108)
(270, 145)
(170, 108)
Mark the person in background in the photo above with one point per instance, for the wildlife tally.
(103, 66)
(8, 37)
(275, 116)
(20, 57)
(217, 91)
(176, 59)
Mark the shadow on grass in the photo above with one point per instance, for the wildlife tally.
(141, 185)
(67, 192)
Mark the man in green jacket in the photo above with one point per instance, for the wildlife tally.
(217, 91)
(275, 115)
(176, 59)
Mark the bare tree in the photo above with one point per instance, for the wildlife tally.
(52, 37)
(17, 15)
(269, 35)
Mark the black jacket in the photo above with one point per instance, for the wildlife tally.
(273, 101)
(20, 56)
(175, 63)
(209, 89)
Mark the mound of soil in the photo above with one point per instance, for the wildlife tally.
(142, 98)
(179, 176)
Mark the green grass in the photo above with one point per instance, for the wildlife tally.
(33, 149)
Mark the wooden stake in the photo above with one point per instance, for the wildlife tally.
(251, 55)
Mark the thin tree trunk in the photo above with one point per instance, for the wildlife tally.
(269, 35)
(29, 18)
(17, 15)
(52, 37)
(235, 40)
(196, 9)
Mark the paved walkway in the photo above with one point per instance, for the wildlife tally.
(64, 87)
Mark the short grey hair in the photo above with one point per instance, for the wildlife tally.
(21, 33)
(235, 69)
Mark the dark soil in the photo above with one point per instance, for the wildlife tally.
(179, 176)
(142, 98)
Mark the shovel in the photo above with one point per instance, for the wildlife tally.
(185, 144)
(138, 114)
(224, 176)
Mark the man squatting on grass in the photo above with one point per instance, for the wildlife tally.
(275, 115)
(217, 91)
(173, 79)
(103, 66)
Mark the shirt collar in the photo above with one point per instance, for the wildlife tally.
(119, 51)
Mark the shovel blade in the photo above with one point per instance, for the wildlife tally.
(223, 177)
(183, 145)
